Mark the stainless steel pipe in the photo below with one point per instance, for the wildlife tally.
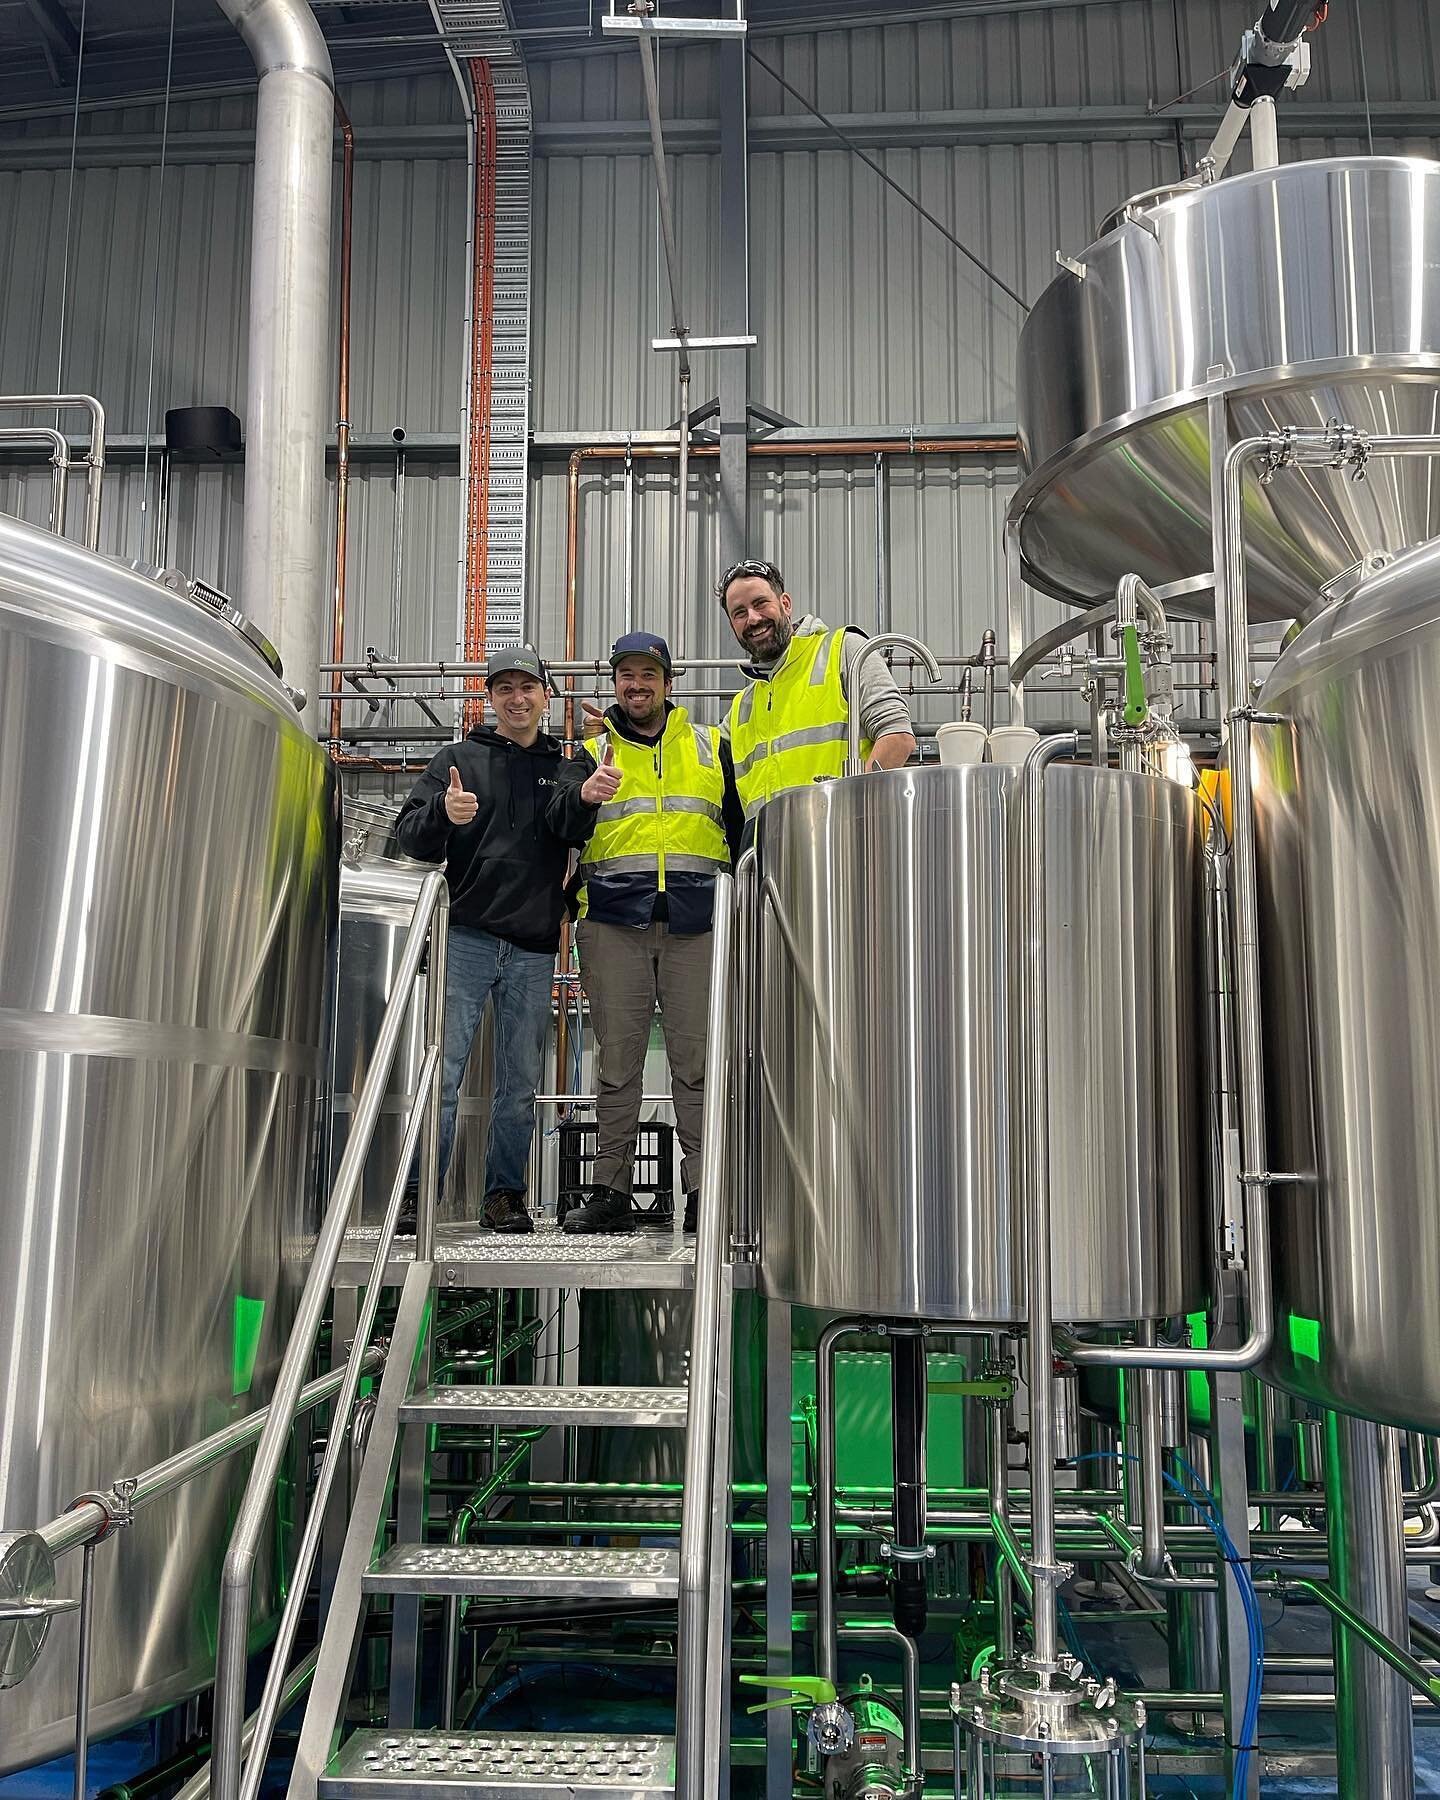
(886, 640)
(1035, 1164)
(1373, 1725)
(94, 461)
(287, 424)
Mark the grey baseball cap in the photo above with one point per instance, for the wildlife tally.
(521, 661)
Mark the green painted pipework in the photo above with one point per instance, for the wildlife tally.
(1137, 709)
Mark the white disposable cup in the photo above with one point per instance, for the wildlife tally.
(961, 741)
(1011, 744)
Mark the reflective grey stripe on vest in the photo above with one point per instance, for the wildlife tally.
(704, 749)
(624, 809)
(619, 865)
(835, 733)
(684, 803)
(820, 668)
(647, 865)
(694, 865)
(747, 704)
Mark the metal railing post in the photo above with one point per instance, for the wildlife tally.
(696, 1757)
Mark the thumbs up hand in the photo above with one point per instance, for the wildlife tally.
(460, 807)
(604, 784)
(593, 724)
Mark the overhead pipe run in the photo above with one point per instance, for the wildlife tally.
(282, 589)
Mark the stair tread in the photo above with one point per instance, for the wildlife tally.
(466, 1256)
(561, 1571)
(598, 1406)
(386, 1764)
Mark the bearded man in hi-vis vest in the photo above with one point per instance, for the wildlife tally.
(646, 899)
(788, 727)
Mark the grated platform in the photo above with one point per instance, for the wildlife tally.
(382, 1765)
(466, 1257)
(524, 1406)
(557, 1573)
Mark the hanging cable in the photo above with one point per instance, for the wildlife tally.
(889, 181)
(1364, 78)
(1179, 82)
(155, 284)
(70, 206)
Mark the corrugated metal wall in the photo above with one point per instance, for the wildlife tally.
(864, 315)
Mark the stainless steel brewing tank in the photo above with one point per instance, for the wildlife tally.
(1348, 814)
(167, 886)
(1311, 289)
(887, 1045)
(379, 886)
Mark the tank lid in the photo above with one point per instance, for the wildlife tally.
(191, 587)
(1399, 599)
(1125, 213)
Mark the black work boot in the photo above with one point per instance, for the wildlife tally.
(607, 1209)
(504, 1210)
(692, 1213)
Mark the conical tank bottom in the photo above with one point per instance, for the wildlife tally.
(1303, 294)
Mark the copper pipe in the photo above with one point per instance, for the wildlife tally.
(342, 424)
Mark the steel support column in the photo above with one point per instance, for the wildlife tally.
(1374, 1720)
(734, 314)
(779, 1598)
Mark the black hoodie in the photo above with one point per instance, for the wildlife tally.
(506, 869)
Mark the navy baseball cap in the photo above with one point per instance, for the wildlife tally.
(520, 661)
(643, 643)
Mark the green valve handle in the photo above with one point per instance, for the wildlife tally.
(1136, 708)
(803, 1690)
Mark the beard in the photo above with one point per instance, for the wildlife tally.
(643, 710)
(774, 640)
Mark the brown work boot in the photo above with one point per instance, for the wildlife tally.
(505, 1210)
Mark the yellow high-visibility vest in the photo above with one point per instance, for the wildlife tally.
(791, 730)
(667, 818)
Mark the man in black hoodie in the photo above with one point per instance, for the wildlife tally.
(503, 808)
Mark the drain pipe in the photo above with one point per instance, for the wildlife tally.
(287, 415)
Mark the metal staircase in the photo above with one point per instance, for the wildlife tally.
(420, 1750)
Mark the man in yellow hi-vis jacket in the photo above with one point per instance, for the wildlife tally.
(788, 726)
(646, 899)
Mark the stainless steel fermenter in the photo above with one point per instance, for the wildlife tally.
(167, 901)
(887, 1043)
(1348, 820)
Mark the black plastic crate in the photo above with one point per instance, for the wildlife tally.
(653, 1179)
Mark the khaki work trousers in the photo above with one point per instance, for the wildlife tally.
(626, 972)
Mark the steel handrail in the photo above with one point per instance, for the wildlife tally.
(95, 458)
(88, 1520)
(428, 928)
(697, 1756)
(59, 462)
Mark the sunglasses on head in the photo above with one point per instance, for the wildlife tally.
(748, 567)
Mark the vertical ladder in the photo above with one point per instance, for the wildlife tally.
(483, 31)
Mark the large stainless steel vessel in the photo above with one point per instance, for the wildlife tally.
(1302, 293)
(378, 888)
(167, 885)
(1348, 815)
(886, 1046)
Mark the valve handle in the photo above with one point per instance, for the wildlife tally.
(804, 1690)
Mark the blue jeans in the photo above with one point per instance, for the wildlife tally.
(483, 968)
